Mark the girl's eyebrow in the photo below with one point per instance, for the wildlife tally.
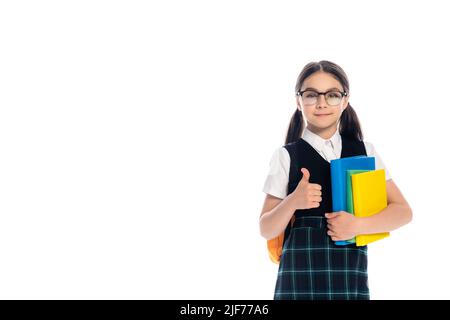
(314, 89)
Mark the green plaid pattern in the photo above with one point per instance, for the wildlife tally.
(312, 267)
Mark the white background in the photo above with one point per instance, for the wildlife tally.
(135, 139)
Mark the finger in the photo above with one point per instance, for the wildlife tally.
(331, 215)
(332, 224)
(315, 186)
(315, 198)
(331, 233)
(306, 175)
(314, 204)
(312, 191)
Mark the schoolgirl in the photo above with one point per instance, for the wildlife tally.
(312, 266)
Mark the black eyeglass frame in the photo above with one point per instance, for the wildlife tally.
(300, 93)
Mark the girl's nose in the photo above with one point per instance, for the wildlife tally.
(321, 102)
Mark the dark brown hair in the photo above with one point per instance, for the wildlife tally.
(349, 124)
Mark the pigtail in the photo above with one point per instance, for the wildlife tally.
(349, 125)
(295, 128)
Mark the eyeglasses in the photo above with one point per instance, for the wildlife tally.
(332, 97)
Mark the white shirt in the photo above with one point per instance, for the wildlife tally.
(276, 183)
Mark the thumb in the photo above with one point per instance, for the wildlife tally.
(306, 175)
(331, 215)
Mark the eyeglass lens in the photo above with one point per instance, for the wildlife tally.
(333, 98)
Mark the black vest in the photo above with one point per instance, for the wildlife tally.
(303, 155)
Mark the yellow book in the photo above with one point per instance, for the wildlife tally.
(369, 198)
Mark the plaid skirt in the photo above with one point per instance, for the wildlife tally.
(312, 267)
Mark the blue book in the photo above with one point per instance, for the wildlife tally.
(339, 169)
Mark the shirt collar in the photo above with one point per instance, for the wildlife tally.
(318, 142)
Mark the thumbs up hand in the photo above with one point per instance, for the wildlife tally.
(307, 195)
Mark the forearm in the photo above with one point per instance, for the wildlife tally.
(274, 222)
(392, 217)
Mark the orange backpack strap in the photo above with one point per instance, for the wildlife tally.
(275, 245)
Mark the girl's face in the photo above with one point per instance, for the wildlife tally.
(321, 115)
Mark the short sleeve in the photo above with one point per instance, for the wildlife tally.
(277, 180)
(379, 164)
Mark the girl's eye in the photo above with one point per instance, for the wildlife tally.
(310, 95)
(334, 95)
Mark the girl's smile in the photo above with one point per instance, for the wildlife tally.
(322, 114)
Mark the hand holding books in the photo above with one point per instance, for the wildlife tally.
(341, 225)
